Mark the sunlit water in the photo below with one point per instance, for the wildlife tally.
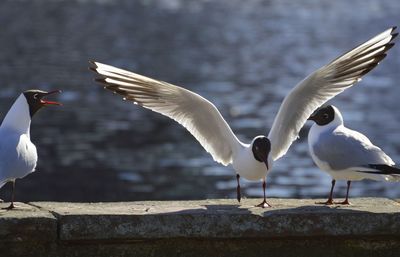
(244, 56)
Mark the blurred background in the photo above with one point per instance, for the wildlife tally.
(244, 56)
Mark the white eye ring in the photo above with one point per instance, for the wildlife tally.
(35, 96)
(326, 115)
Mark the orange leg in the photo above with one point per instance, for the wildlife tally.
(330, 199)
(264, 203)
(346, 201)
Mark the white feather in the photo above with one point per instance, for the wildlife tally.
(199, 116)
(18, 155)
(322, 85)
(347, 154)
(206, 124)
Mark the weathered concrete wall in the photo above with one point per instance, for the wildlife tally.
(369, 227)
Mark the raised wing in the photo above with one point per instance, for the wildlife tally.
(322, 85)
(199, 116)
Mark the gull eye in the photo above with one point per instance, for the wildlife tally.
(325, 115)
(35, 96)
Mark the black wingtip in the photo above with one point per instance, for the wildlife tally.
(93, 69)
(384, 169)
(105, 85)
(93, 66)
(91, 62)
(394, 36)
(388, 46)
(100, 80)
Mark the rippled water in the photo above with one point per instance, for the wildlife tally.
(244, 56)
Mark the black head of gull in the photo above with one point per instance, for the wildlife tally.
(323, 115)
(35, 99)
(261, 149)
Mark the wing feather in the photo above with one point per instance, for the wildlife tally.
(322, 85)
(199, 116)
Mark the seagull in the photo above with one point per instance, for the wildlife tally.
(346, 154)
(203, 120)
(18, 155)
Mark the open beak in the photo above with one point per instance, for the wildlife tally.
(46, 102)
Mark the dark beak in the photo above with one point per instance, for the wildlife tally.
(313, 116)
(46, 102)
(263, 157)
(266, 164)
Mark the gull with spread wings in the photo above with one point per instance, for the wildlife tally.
(203, 120)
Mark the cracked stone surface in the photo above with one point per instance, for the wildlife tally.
(220, 227)
(224, 219)
(26, 223)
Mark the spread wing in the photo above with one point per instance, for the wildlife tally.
(322, 85)
(199, 116)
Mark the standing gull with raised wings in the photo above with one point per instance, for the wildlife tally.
(203, 120)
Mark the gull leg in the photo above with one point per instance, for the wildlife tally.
(239, 195)
(264, 203)
(330, 199)
(346, 201)
(11, 206)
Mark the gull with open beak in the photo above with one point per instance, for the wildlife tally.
(18, 155)
(203, 120)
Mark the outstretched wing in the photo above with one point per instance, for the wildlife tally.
(322, 85)
(199, 116)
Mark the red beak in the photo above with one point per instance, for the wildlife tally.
(45, 102)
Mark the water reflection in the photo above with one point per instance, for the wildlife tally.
(244, 57)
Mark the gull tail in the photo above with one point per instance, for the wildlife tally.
(385, 169)
(387, 172)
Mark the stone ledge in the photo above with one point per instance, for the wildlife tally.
(224, 219)
(26, 223)
(369, 227)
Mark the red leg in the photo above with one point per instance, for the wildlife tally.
(346, 201)
(264, 203)
(330, 199)
(238, 194)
